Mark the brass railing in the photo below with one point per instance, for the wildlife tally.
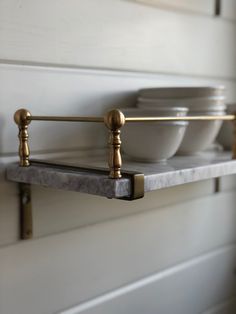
(114, 120)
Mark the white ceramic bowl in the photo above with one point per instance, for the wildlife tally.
(182, 92)
(151, 141)
(225, 136)
(198, 104)
(166, 110)
(200, 134)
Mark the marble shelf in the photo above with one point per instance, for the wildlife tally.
(178, 170)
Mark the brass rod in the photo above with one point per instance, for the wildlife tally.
(133, 119)
(183, 118)
(65, 119)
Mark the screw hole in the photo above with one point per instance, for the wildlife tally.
(25, 199)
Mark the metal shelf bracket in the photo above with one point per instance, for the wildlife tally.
(26, 215)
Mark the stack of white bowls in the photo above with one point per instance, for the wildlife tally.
(200, 101)
(153, 141)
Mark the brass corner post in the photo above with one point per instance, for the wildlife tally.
(234, 138)
(114, 120)
(21, 120)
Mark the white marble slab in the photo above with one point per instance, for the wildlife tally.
(178, 170)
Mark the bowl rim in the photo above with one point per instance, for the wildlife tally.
(208, 113)
(219, 98)
(183, 91)
(160, 123)
(156, 106)
(162, 108)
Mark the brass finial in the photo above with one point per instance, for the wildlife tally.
(21, 120)
(114, 120)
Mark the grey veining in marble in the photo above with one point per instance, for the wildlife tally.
(90, 183)
(178, 170)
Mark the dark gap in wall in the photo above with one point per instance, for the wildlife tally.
(217, 7)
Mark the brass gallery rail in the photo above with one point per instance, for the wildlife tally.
(130, 119)
(114, 120)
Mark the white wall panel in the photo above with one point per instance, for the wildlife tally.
(229, 9)
(9, 213)
(192, 6)
(50, 215)
(73, 267)
(228, 183)
(48, 91)
(116, 34)
(185, 289)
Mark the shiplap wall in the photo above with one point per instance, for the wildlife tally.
(172, 252)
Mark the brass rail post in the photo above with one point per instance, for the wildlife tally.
(114, 120)
(20, 118)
